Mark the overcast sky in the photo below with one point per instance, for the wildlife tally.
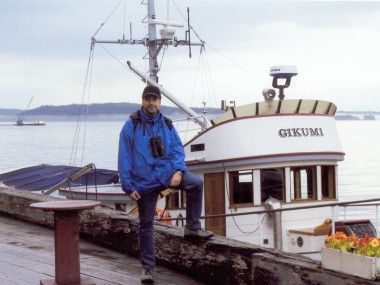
(45, 47)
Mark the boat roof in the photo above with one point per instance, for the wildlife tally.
(45, 176)
(276, 107)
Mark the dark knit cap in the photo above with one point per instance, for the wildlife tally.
(151, 90)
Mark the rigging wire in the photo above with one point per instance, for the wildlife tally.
(208, 78)
(220, 53)
(86, 94)
(119, 61)
(199, 67)
(109, 16)
(165, 47)
(162, 57)
(202, 56)
(112, 55)
(196, 80)
(124, 17)
(74, 149)
(87, 111)
(237, 65)
(87, 90)
(184, 17)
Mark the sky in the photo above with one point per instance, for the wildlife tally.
(45, 51)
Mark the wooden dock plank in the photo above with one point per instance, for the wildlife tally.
(19, 275)
(5, 280)
(27, 256)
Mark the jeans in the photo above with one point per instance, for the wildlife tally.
(193, 185)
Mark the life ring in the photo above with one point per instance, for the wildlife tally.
(161, 215)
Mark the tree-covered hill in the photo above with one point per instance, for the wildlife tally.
(76, 109)
(100, 109)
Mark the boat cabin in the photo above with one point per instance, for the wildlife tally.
(285, 150)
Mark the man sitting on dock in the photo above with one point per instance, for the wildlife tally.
(151, 159)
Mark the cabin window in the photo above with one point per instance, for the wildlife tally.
(241, 187)
(272, 184)
(328, 182)
(303, 183)
(176, 200)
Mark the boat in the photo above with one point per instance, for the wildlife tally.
(369, 117)
(45, 177)
(270, 168)
(20, 120)
(20, 123)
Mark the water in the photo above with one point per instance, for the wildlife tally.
(53, 144)
(358, 174)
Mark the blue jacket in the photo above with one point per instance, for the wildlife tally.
(138, 169)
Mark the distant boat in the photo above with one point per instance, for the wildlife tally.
(346, 118)
(369, 117)
(34, 123)
(20, 119)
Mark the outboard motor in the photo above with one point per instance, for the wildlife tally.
(274, 204)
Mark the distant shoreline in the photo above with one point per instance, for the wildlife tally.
(11, 119)
(50, 118)
(96, 112)
(120, 112)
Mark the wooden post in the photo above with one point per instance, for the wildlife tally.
(66, 240)
(66, 243)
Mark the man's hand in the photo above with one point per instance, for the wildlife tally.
(134, 195)
(176, 179)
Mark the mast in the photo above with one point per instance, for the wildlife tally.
(20, 118)
(152, 42)
(154, 47)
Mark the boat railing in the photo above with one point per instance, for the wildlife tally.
(365, 210)
(188, 118)
(339, 211)
(187, 128)
(332, 204)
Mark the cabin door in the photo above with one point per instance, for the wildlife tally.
(215, 202)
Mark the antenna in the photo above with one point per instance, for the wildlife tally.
(204, 108)
(130, 30)
(282, 72)
(188, 29)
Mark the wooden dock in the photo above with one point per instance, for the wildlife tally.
(27, 252)
(27, 256)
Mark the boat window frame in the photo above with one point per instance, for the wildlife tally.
(328, 182)
(283, 185)
(298, 189)
(176, 200)
(240, 173)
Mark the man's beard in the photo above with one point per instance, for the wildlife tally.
(151, 111)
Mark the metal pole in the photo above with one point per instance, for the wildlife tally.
(152, 42)
(277, 230)
(273, 204)
(200, 120)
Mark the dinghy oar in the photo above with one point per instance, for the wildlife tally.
(70, 179)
